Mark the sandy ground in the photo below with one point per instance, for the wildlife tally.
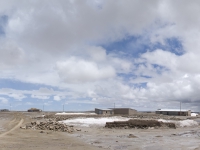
(93, 138)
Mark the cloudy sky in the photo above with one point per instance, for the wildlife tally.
(94, 53)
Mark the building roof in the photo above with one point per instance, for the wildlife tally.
(177, 110)
(103, 109)
(33, 109)
(122, 108)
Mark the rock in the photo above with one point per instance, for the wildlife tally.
(37, 122)
(28, 126)
(24, 127)
(132, 136)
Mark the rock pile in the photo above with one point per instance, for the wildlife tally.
(139, 124)
(50, 125)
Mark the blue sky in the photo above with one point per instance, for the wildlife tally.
(97, 53)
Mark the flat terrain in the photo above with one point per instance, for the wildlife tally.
(14, 138)
(93, 137)
(145, 139)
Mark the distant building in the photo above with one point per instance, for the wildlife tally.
(116, 111)
(124, 111)
(174, 112)
(34, 110)
(4, 110)
(103, 111)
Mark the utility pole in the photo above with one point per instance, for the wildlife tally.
(180, 108)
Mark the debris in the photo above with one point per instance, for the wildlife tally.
(78, 129)
(132, 136)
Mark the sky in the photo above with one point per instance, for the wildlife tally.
(99, 53)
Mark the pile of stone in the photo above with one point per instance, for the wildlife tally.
(49, 125)
(139, 124)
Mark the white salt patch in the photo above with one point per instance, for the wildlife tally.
(182, 123)
(93, 121)
(187, 123)
(64, 113)
(162, 120)
(194, 114)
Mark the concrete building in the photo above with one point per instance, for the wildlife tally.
(124, 111)
(103, 111)
(174, 112)
(116, 111)
(34, 110)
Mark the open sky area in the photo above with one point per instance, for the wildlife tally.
(93, 53)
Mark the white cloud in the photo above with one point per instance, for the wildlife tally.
(76, 70)
(61, 46)
(3, 100)
(57, 98)
(17, 96)
(40, 97)
(41, 93)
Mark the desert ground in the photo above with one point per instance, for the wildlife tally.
(93, 137)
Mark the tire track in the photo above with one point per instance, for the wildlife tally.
(15, 127)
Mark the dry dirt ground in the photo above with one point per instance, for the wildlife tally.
(142, 139)
(14, 138)
(93, 138)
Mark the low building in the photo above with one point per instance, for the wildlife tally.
(124, 111)
(4, 110)
(174, 112)
(103, 111)
(116, 111)
(34, 110)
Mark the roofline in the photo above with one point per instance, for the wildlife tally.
(122, 108)
(174, 110)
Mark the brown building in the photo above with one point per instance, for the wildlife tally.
(174, 112)
(116, 111)
(34, 110)
(124, 111)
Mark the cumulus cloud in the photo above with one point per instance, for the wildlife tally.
(77, 70)
(10, 55)
(63, 46)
